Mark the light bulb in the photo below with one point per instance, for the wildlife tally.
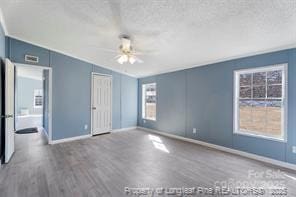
(119, 60)
(132, 60)
(122, 59)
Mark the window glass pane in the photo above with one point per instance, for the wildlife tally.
(245, 114)
(245, 92)
(274, 118)
(259, 78)
(245, 79)
(261, 117)
(260, 105)
(149, 95)
(38, 101)
(259, 91)
(274, 103)
(274, 91)
(38, 98)
(258, 116)
(150, 110)
(274, 77)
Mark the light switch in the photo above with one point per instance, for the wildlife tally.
(194, 130)
(294, 149)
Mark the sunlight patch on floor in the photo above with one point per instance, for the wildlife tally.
(157, 143)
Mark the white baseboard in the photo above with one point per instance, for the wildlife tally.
(45, 133)
(123, 129)
(87, 136)
(70, 139)
(225, 149)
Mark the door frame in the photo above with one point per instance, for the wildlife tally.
(7, 86)
(49, 137)
(91, 98)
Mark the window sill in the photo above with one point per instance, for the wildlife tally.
(147, 119)
(37, 107)
(260, 136)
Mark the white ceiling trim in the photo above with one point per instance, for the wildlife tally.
(291, 46)
(2, 21)
(70, 55)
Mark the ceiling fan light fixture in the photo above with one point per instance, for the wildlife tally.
(122, 59)
(119, 61)
(127, 53)
(132, 60)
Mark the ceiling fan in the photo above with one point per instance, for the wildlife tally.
(127, 52)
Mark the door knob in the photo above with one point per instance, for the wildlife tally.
(7, 116)
(94, 108)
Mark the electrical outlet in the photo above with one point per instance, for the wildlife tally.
(194, 130)
(144, 121)
(294, 149)
(85, 127)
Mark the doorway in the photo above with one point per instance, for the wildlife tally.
(101, 115)
(32, 105)
(24, 108)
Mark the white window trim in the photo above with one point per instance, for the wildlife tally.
(284, 124)
(144, 102)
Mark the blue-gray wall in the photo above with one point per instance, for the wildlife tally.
(18, 49)
(25, 94)
(202, 98)
(129, 101)
(71, 90)
(2, 56)
(71, 96)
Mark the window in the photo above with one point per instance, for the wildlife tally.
(38, 98)
(149, 101)
(260, 102)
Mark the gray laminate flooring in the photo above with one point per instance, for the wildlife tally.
(105, 165)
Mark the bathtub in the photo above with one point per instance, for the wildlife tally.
(28, 121)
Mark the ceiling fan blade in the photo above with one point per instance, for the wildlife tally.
(104, 49)
(139, 60)
(137, 53)
(117, 56)
(148, 52)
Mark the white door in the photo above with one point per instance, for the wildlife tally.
(9, 110)
(101, 104)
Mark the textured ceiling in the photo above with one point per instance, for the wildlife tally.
(171, 34)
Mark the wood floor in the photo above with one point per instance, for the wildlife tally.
(104, 165)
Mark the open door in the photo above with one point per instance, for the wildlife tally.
(9, 110)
